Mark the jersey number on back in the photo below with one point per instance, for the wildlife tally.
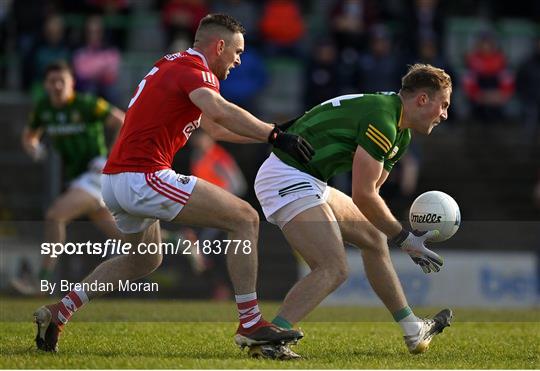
(141, 85)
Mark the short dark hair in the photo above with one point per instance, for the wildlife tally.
(58, 66)
(223, 20)
(425, 76)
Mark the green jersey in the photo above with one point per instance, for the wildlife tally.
(335, 129)
(76, 130)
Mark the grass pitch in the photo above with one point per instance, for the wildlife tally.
(173, 334)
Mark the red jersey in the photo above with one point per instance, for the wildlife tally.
(160, 116)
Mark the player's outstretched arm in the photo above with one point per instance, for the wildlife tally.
(243, 123)
(229, 115)
(368, 175)
(218, 132)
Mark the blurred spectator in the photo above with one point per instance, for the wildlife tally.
(282, 27)
(428, 52)
(528, 90)
(381, 68)
(103, 7)
(246, 12)
(181, 19)
(49, 49)
(322, 74)
(424, 21)
(118, 31)
(244, 85)
(350, 21)
(109, 6)
(487, 83)
(28, 27)
(97, 65)
(213, 163)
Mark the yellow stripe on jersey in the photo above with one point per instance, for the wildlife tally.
(101, 106)
(379, 135)
(376, 141)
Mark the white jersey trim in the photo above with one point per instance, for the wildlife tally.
(200, 55)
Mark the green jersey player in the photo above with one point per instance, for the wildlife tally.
(76, 130)
(341, 124)
(365, 133)
(74, 123)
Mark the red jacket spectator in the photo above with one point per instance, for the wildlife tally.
(486, 72)
(214, 164)
(282, 22)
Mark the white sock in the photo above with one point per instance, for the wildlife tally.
(70, 304)
(411, 325)
(248, 309)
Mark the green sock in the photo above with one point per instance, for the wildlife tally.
(402, 313)
(282, 322)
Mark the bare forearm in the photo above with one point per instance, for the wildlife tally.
(243, 123)
(218, 132)
(228, 136)
(230, 116)
(378, 213)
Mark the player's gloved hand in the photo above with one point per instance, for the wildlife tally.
(293, 144)
(413, 243)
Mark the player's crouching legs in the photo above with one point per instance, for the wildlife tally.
(211, 206)
(143, 264)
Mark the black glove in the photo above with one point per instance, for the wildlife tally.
(413, 244)
(292, 144)
(285, 125)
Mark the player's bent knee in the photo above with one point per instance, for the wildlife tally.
(154, 264)
(335, 274)
(250, 213)
(376, 242)
(146, 263)
(341, 273)
(245, 216)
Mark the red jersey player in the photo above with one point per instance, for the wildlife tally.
(179, 94)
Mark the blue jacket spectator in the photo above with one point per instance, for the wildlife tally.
(244, 84)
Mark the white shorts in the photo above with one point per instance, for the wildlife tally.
(137, 200)
(90, 181)
(284, 191)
